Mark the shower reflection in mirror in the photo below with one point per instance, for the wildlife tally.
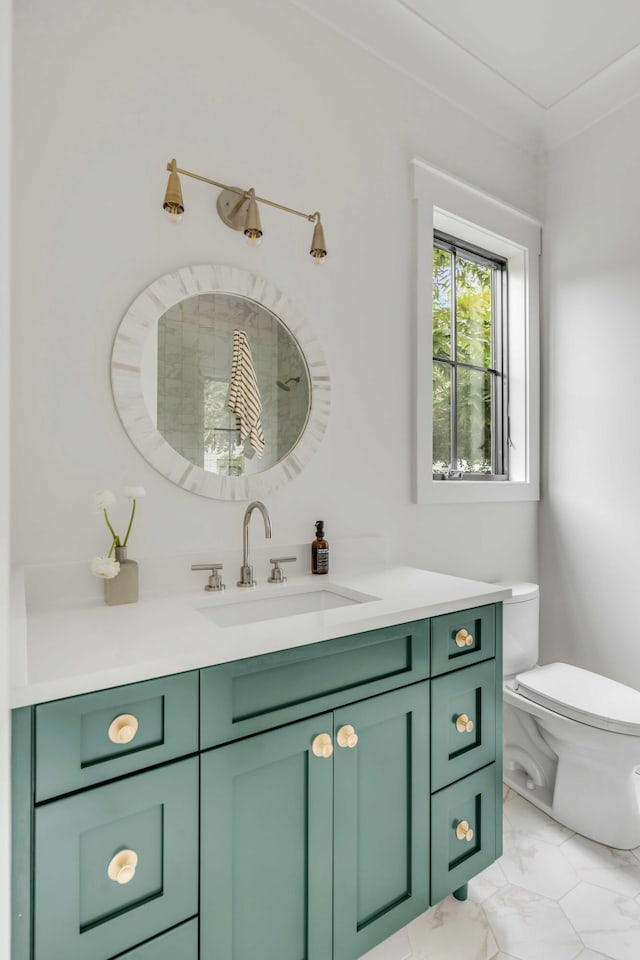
(186, 374)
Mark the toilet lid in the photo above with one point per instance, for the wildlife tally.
(583, 696)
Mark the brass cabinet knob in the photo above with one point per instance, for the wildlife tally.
(464, 831)
(122, 867)
(123, 729)
(322, 746)
(463, 639)
(463, 724)
(347, 737)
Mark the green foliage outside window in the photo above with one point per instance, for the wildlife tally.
(223, 452)
(473, 346)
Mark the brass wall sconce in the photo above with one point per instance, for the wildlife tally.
(238, 209)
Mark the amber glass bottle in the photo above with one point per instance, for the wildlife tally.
(320, 550)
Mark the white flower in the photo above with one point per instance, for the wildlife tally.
(134, 493)
(105, 567)
(103, 499)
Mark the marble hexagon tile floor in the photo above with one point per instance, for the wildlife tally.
(553, 895)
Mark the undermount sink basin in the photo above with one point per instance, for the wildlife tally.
(255, 608)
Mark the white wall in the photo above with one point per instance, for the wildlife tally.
(590, 514)
(255, 94)
(5, 280)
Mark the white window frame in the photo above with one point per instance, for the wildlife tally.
(462, 210)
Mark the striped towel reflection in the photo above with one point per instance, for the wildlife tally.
(244, 395)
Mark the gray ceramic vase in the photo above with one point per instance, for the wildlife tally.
(124, 587)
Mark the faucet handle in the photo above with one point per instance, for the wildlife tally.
(277, 576)
(215, 580)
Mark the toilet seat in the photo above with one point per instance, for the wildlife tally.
(583, 696)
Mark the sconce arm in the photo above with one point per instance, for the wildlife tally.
(243, 194)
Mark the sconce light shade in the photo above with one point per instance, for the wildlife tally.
(318, 246)
(173, 204)
(253, 226)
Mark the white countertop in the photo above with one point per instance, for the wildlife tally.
(60, 650)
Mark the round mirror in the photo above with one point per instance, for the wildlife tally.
(219, 383)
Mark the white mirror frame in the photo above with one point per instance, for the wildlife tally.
(126, 379)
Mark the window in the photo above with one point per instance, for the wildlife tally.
(223, 450)
(470, 401)
(476, 383)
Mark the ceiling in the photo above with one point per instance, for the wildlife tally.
(545, 49)
(539, 73)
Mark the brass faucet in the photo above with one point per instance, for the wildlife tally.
(246, 570)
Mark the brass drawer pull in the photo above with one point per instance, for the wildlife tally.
(122, 867)
(464, 831)
(347, 736)
(464, 639)
(123, 729)
(463, 724)
(322, 746)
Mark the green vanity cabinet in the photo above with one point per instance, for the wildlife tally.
(298, 805)
(322, 850)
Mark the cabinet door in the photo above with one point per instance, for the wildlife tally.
(99, 736)
(463, 827)
(463, 723)
(381, 818)
(117, 864)
(266, 847)
(248, 696)
(462, 638)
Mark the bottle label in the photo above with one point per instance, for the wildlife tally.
(322, 558)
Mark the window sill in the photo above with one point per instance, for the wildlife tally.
(477, 491)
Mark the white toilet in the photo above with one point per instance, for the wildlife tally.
(571, 737)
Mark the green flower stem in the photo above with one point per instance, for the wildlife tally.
(133, 513)
(116, 541)
(113, 544)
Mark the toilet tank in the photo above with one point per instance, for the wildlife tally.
(520, 628)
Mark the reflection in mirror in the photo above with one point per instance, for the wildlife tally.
(174, 370)
(186, 377)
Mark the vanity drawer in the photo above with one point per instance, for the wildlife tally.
(246, 696)
(100, 736)
(469, 804)
(182, 943)
(460, 639)
(90, 905)
(463, 723)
